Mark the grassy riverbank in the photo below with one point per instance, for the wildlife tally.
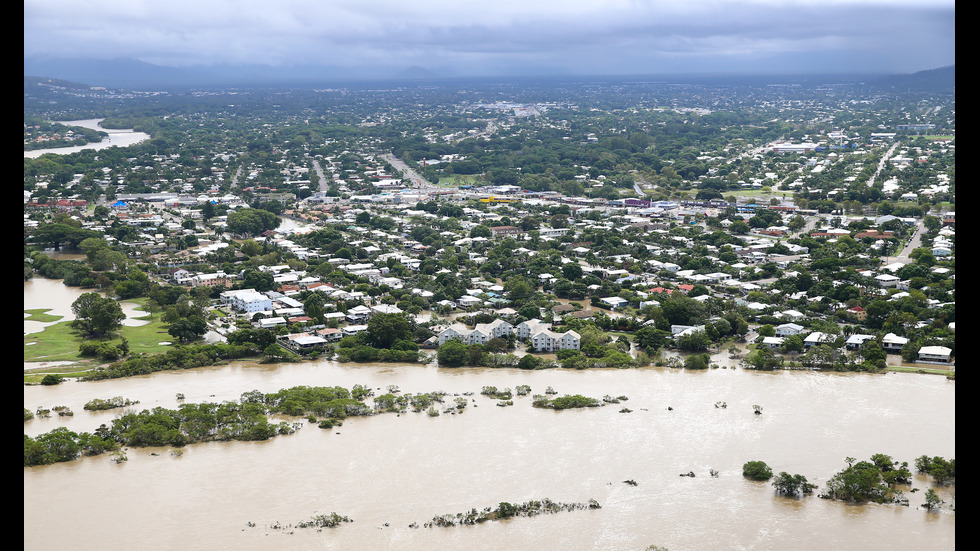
(59, 344)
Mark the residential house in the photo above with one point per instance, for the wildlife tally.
(816, 338)
(934, 354)
(302, 342)
(773, 342)
(358, 313)
(614, 302)
(892, 343)
(330, 334)
(788, 329)
(266, 323)
(854, 342)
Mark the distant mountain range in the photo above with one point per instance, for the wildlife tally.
(138, 75)
(135, 74)
(942, 80)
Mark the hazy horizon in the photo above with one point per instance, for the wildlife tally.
(504, 37)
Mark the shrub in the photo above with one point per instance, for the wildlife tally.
(756, 470)
(49, 380)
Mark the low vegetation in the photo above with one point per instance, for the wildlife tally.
(507, 510)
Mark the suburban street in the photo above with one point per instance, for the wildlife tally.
(407, 172)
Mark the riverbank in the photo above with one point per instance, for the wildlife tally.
(115, 138)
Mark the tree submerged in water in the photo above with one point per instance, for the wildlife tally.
(324, 521)
(792, 484)
(866, 481)
(508, 510)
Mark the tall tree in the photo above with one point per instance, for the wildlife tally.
(96, 315)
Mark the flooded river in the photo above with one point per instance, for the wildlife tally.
(389, 471)
(116, 138)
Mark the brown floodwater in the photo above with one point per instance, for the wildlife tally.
(389, 471)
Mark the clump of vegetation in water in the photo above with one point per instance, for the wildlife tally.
(792, 484)
(869, 481)
(566, 402)
(943, 472)
(756, 470)
(610, 400)
(492, 392)
(98, 404)
(50, 380)
(332, 520)
(508, 510)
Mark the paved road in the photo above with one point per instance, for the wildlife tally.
(913, 243)
(881, 163)
(234, 179)
(319, 173)
(407, 172)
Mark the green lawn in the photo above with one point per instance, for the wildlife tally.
(59, 343)
(38, 314)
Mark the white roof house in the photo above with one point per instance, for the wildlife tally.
(856, 341)
(817, 337)
(893, 343)
(772, 342)
(788, 329)
(265, 323)
(940, 354)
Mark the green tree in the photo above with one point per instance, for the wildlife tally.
(452, 353)
(763, 358)
(756, 470)
(252, 221)
(313, 307)
(518, 289)
(792, 484)
(384, 329)
(695, 341)
(572, 271)
(480, 230)
(188, 329)
(933, 500)
(697, 361)
(96, 315)
(260, 281)
(52, 379)
(528, 361)
(650, 337)
(860, 482)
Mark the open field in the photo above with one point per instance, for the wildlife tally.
(59, 343)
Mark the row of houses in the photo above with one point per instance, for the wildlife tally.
(539, 333)
(891, 343)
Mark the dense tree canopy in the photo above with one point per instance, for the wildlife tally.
(96, 315)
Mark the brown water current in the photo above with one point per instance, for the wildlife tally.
(389, 471)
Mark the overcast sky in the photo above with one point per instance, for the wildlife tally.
(506, 37)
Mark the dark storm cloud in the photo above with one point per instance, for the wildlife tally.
(611, 36)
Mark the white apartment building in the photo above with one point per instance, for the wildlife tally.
(549, 341)
(250, 302)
